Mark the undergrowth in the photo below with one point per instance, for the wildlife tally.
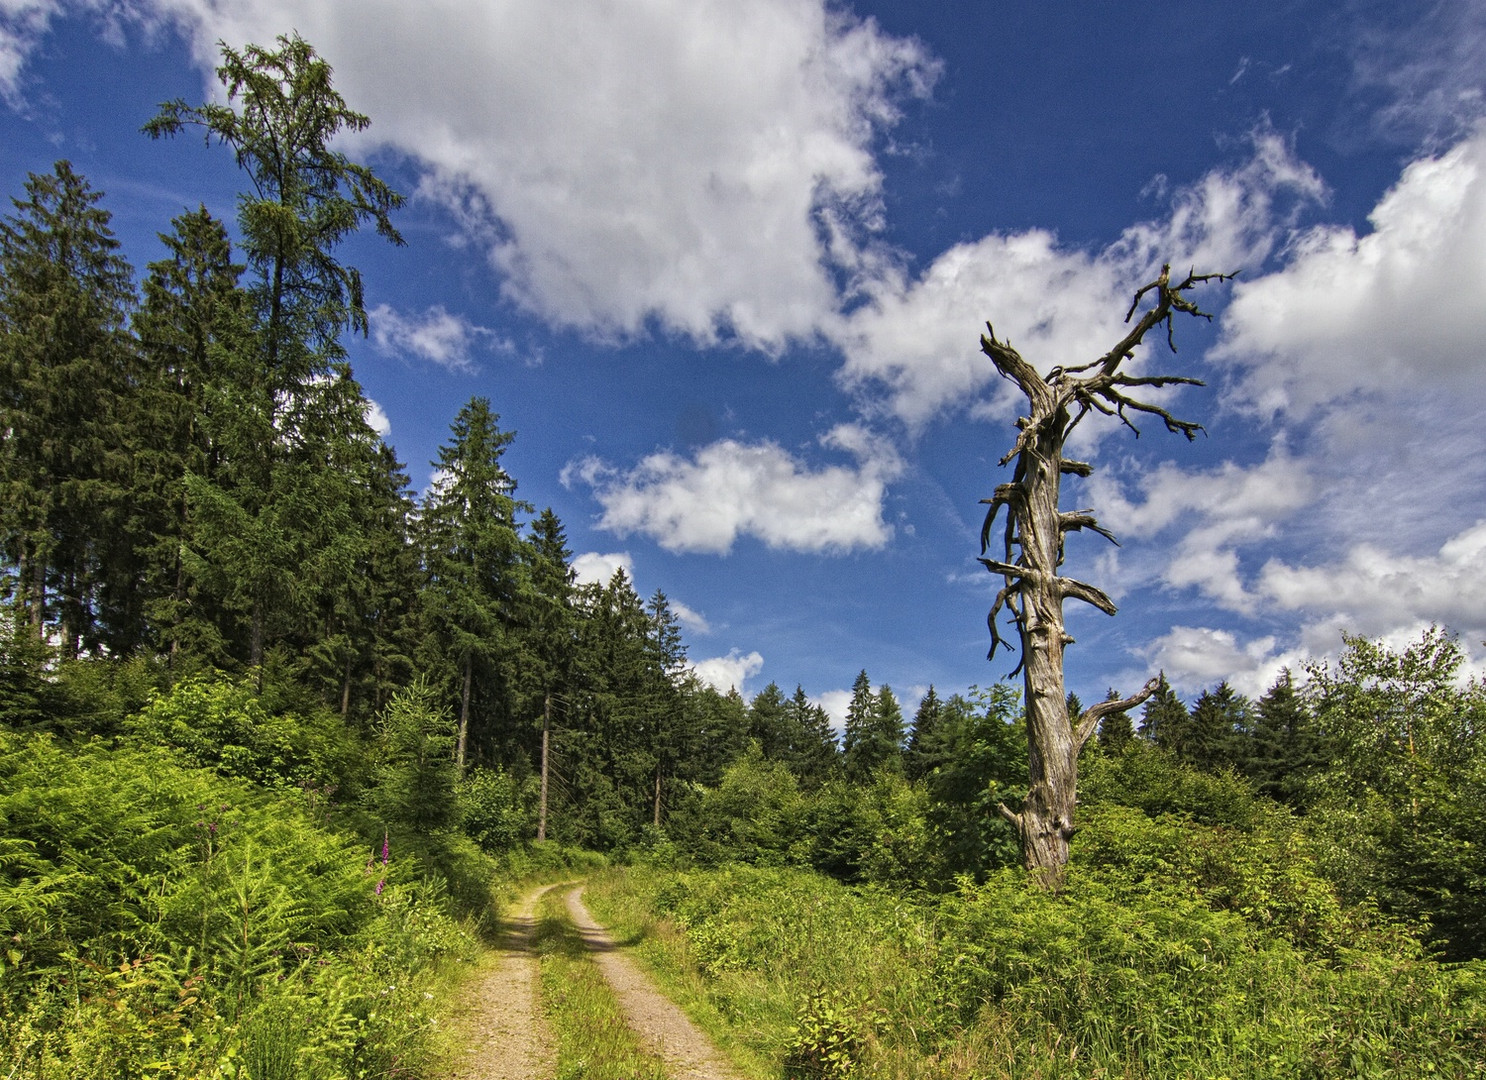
(160, 919)
(1176, 950)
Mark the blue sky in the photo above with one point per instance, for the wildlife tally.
(723, 268)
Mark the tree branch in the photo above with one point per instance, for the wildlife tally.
(1078, 520)
(1088, 594)
(1089, 721)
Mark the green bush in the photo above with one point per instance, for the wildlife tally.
(159, 917)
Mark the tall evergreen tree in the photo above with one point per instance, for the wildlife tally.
(921, 753)
(475, 559)
(816, 757)
(1285, 750)
(191, 330)
(279, 120)
(1165, 721)
(857, 744)
(1218, 720)
(769, 724)
(66, 367)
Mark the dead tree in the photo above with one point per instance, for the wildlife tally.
(1034, 590)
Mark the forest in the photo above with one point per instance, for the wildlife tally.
(277, 736)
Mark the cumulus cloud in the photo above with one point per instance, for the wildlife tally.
(596, 568)
(700, 163)
(689, 618)
(1219, 509)
(1372, 591)
(1195, 657)
(915, 341)
(729, 672)
(376, 418)
(436, 335)
(1397, 310)
(731, 489)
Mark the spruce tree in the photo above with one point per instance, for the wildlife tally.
(66, 369)
(474, 558)
(768, 724)
(816, 757)
(921, 754)
(1165, 721)
(858, 743)
(1285, 750)
(1218, 719)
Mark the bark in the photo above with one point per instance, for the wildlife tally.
(1032, 556)
(546, 749)
(464, 714)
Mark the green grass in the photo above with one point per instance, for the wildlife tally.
(1114, 979)
(594, 1042)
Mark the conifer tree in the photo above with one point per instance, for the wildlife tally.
(816, 756)
(474, 557)
(919, 757)
(65, 372)
(860, 712)
(1165, 721)
(1218, 720)
(768, 723)
(191, 328)
(279, 120)
(1285, 750)
(1116, 732)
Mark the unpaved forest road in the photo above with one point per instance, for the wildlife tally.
(687, 1052)
(501, 1019)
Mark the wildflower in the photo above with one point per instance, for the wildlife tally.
(381, 885)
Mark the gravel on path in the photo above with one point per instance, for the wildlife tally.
(687, 1052)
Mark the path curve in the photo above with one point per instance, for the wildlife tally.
(687, 1052)
(500, 1019)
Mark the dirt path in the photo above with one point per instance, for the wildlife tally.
(687, 1052)
(500, 1020)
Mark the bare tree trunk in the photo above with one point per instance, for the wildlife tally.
(464, 714)
(656, 820)
(1032, 555)
(546, 746)
(346, 688)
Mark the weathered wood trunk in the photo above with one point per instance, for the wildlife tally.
(1032, 555)
(464, 714)
(546, 749)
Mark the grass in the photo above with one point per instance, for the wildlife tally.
(594, 1042)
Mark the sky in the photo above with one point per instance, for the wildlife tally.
(723, 268)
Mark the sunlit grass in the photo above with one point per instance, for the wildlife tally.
(594, 1042)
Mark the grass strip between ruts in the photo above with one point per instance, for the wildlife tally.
(594, 1042)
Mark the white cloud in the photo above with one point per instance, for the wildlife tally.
(376, 418)
(1396, 312)
(1374, 592)
(702, 163)
(690, 619)
(1220, 510)
(835, 703)
(1434, 69)
(596, 568)
(729, 672)
(1196, 657)
(22, 25)
(436, 335)
(916, 341)
(730, 489)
